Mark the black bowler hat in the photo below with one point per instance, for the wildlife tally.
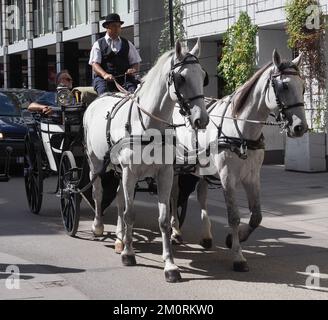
(113, 17)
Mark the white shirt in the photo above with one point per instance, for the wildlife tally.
(115, 45)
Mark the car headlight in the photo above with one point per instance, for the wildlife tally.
(1, 136)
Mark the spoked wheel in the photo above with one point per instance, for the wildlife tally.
(33, 176)
(182, 212)
(69, 199)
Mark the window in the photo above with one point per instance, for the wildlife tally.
(18, 31)
(75, 13)
(43, 15)
(81, 12)
(122, 6)
(105, 7)
(118, 6)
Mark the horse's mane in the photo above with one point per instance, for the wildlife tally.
(156, 73)
(242, 93)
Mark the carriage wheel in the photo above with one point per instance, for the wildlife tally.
(33, 176)
(70, 201)
(182, 212)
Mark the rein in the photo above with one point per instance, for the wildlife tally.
(131, 97)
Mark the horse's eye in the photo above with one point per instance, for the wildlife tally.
(285, 86)
(182, 79)
(178, 79)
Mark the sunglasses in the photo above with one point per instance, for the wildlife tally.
(67, 79)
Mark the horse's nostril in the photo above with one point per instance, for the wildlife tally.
(299, 129)
(197, 123)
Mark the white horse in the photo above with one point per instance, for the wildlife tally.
(276, 88)
(176, 77)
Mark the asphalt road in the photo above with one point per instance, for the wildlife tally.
(52, 265)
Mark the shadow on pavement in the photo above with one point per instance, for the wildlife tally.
(38, 269)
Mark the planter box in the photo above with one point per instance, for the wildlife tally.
(306, 154)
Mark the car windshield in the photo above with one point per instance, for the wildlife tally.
(27, 97)
(9, 106)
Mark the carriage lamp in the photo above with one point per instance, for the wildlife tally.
(1, 136)
(65, 96)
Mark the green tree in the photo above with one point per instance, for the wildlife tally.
(179, 30)
(239, 53)
(306, 30)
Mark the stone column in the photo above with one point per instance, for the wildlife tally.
(136, 10)
(5, 43)
(94, 19)
(29, 37)
(59, 27)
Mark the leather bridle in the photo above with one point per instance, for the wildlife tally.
(177, 79)
(279, 86)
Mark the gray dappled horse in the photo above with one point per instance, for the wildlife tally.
(276, 88)
(177, 77)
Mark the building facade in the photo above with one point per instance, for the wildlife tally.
(210, 19)
(41, 37)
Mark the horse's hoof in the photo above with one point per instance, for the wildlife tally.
(98, 231)
(229, 241)
(240, 266)
(206, 243)
(129, 261)
(176, 240)
(172, 276)
(119, 247)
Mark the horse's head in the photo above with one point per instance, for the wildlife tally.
(286, 95)
(186, 85)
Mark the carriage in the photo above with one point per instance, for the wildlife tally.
(54, 146)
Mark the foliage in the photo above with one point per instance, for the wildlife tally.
(179, 30)
(307, 36)
(239, 53)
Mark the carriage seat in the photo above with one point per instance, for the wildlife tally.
(87, 94)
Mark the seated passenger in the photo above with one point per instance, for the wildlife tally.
(48, 100)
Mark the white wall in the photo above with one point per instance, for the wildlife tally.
(267, 41)
(208, 60)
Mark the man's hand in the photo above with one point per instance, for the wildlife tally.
(47, 111)
(131, 71)
(109, 77)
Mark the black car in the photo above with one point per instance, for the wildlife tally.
(12, 126)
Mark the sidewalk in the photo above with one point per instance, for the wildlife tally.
(39, 284)
(293, 236)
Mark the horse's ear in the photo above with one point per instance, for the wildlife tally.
(178, 50)
(298, 60)
(196, 51)
(276, 59)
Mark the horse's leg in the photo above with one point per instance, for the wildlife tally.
(229, 184)
(119, 246)
(206, 235)
(128, 182)
(164, 182)
(98, 224)
(252, 187)
(176, 236)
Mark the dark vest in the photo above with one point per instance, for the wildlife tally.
(114, 63)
